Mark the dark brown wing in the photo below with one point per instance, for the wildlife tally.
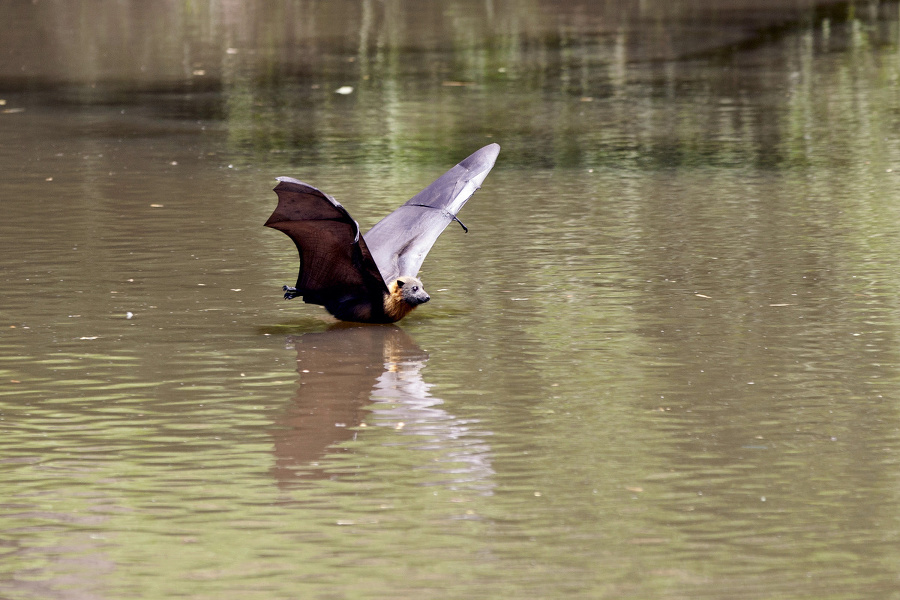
(336, 268)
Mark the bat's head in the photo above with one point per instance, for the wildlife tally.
(405, 293)
(411, 290)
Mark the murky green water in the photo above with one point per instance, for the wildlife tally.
(663, 363)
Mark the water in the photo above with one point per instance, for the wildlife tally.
(662, 363)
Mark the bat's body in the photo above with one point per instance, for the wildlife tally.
(371, 278)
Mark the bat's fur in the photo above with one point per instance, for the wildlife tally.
(405, 293)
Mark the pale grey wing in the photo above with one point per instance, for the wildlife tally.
(401, 240)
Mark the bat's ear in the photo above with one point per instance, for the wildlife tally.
(400, 283)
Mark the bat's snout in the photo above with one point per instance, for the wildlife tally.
(419, 297)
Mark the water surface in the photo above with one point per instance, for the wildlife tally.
(662, 363)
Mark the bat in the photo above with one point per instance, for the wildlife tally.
(371, 278)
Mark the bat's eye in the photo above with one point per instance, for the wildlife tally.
(415, 288)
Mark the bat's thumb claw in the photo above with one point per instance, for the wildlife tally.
(289, 292)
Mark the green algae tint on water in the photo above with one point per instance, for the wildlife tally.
(663, 363)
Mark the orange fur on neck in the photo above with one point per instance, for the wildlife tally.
(395, 306)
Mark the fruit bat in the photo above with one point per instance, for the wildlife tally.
(371, 278)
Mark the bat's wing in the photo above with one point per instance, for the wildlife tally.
(401, 240)
(336, 268)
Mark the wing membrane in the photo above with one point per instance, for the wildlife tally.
(336, 267)
(401, 240)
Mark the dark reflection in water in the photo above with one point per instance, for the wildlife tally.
(339, 370)
(353, 377)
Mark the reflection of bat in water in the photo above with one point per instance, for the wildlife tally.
(371, 278)
(357, 382)
(339, 372)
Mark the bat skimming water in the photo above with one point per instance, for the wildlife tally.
(371, 278)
